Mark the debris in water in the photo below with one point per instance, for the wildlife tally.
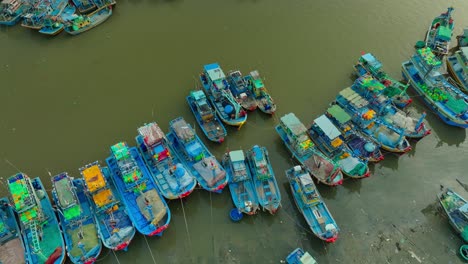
(398, 246)
(414, 256)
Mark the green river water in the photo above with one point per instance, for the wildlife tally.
(66, 100)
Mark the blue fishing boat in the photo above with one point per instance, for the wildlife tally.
(457, 66)
(34, 17)
(39, 226)
(217, 89)
(294, 135)
(240, 182)
(311, 205)
(440, 33)
(361, 145)
(264, 180)
(147, 209)
(206, 117)
(82, 23)
(53, 23)
(239, 88)
(298, 256)
(329, 140)
(11, 242)
(414, 126)
(11, 12)
(444, 99)
(173, 178)
(209, 173)
(115, 228)
(456, 208)
(256, 86)
(366, 120)
(76, 219)
(368, 64)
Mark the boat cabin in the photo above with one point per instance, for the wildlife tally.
(371, 62)
(186, 135)
(296, 133)
(129, 171)
(66, 196)
(97, 186)
(261, 164)
(328, 135)
(202, 105)
(342, 119)
(154, 137)
(239, 170)
(238, 83)
(215, 77)
(307, 190)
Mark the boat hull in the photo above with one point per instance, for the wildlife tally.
(451, 61)
(451, 202)
(98, 17)
(214, 124)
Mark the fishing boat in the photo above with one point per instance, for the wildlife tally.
(203, 165)
(82, 23)
(311, 205)
(444, 99)
(366, 120)
(256, 86)
(240, 182)
(11, 242)
(34, 17)
(462, 39)
(329, 140)
(173, 178)
(456, 208)
(147, 209)
(440, 33)
(76, 219)
(457, 66)
(206, 117)
(114, 226)
(361, 145)
(263, 178)
(217, 90)
(53, 23)
(11, 12)
(239, 89)
(39, 226)
(298, 256)
(294, 135)
(368, 64)
(414, 126)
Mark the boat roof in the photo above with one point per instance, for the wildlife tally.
(236, 155)
(183, 130)
(307, 259)
(444, 33)
(93, 178)
(354, 98)
(198, 94)
(151, 133)
(214, 71)
(306, 179)
(294, 124)
(369, 58)
(327, 127)
(339, 114)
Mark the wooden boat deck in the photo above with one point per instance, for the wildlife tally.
(152, 199)
(209, 170)
(88, 238)
(319, 167)
(12, 252)
(267, 191)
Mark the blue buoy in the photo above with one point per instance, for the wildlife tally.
(369, 147)
(235, 215)
(228, 109)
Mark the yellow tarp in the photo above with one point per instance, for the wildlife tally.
(94, 178)
(336, 142)
(102, 198)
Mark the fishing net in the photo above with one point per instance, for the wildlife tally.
(28, 215)
(72, 212)
(19, 192)
(132, 176)
(151, 134)
(429, 57)
(120, 151)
